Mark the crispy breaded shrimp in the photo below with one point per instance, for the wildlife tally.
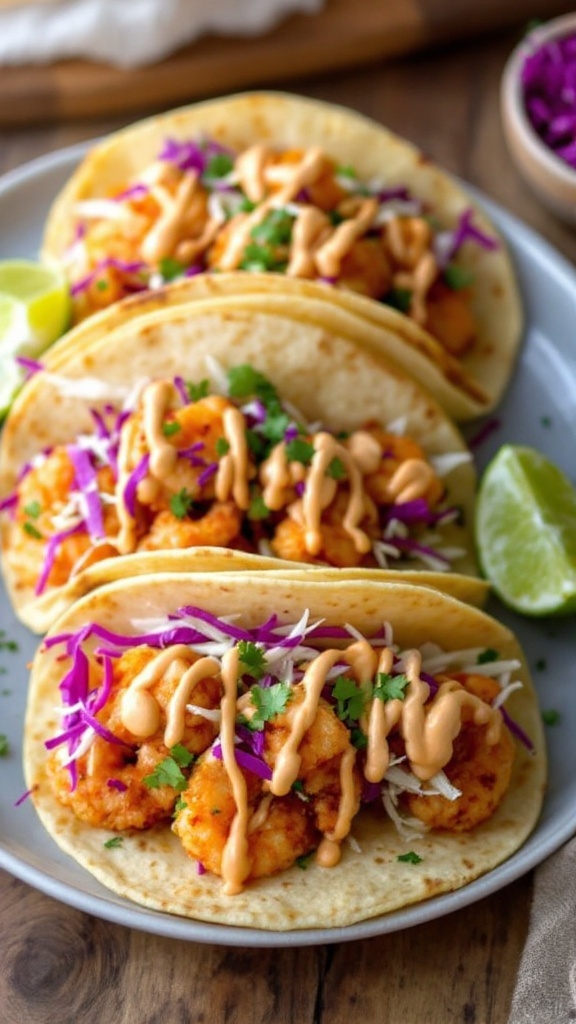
(281, 829)
(338, 548)
(218, 527)
(450, 319)
(366, 269)
(111, 791)
(481, 772)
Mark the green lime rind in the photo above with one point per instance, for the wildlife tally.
(525, 528)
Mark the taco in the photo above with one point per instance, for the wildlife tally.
(213, 739)
(297, 190)
(226, 428)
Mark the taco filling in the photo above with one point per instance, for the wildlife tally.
(181, 466)
(201, 206)
(261, 745)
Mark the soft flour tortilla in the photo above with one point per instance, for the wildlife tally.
(322, 373)
(152, 869)
(465, 387)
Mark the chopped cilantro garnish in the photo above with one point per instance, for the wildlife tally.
(303, 861)
(170, 428)
(219, 166)
(222, 446)
(114, 843)
(486, 656)
(275, 229)
(180, 805)
(8, 645)
(252, 659)
(398, 298)
(181, 503)
(258, 508)
(346, 171)
(336, 469)
(244, 381)
(33, 509)
(457, 277)
(275, 424)
(31, 530)
(550, 716)
(168, 772)
(247, 205)
(390, 687)
(261, 258)
(541, 664)
(197, 391)
(350, 699)
(299, 450)
(102, 285)
(358, 739)
(335, 217)
(409, 858)
(215, 810)
(170, 268)
(4, 745)
(257, 444)
(268, 701)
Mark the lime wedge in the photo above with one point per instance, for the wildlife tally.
(526, 532)
(34, 312)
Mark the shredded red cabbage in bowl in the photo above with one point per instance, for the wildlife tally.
(548, 78)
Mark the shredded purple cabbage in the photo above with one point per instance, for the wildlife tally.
(87, 481)
(548, 79)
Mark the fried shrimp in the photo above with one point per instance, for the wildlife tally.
(481, 772)
(280, 828)
(337, 548)
(218, 527)
(115, 786)
(403, 473)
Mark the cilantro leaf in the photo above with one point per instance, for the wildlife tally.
(252, 659)
(299, 450)
(219, 166)
(261, 257)
(303, 861)
(488, 655)
(244, 381)
(350, 699)
(274, 426)
(168, 772)
(550, 716)
(170, 268)
(222, 447)
(258, 508)
(268, 701)
(181, 755)
(33, 509)
(390, 687)
(114, 843)
(181, 503)
(31, 530)
(170, 427)
(398, 298)
(457, 277)
(197, 391)
(409, 858)
(336, 469)
(4, 745)
(275, 229)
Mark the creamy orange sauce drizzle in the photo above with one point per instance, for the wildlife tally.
(233, 467)
(163, 237)
(235, 859)
(126, 539)
(411, 480)
(328, 448)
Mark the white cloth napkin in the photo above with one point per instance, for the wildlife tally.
(546, 986)
(128, 33)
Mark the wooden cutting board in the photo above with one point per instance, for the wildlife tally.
(345, 33)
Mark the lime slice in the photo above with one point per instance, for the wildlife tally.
(34, 312)
(526, 532)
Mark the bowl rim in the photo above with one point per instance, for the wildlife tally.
(512, 94)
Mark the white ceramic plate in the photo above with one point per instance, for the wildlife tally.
(539, 410)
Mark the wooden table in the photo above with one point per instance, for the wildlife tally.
(58, 964)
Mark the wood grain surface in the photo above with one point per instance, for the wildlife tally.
(59, 966)
(343, 34)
